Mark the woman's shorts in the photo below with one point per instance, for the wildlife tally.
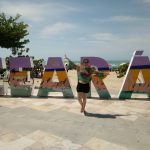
(85, 88)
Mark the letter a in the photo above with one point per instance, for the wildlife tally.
(47, 85)
(137, 64)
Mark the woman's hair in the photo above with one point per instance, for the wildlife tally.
(85, 60)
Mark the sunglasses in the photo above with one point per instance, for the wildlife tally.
(85, 62)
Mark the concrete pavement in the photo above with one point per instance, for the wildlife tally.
(57, 124)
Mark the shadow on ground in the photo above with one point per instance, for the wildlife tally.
(88, 114)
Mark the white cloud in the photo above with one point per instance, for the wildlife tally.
(103, 36)
(99, 37)
(57, 29)
(114, 43)
(112, 46)
(146, 1)
(122, 19)
(30, 11)
(35, 11)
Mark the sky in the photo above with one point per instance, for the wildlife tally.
(109, 29)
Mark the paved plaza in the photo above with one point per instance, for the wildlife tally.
(57, 124)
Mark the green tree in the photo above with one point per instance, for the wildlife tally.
(12, 34)
(38, 68)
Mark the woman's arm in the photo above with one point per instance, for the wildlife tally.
(100, 74)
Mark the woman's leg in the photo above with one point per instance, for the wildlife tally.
(84, 100)
(80, 97)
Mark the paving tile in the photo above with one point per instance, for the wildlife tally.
(39, 103)
(46, 108)
(50, 140)
(9, 136)
(3, 132)
(37, 146)
(19, 144)
(4, 110)
(129, 117)
(72, 109)
(40, 146)
(37, 135)
(99, 144)
(85, 148)
(11, 103)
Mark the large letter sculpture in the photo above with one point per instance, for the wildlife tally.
(47, 85)
(137, 64)
(103, 66)
(20, 82)
(2, 86)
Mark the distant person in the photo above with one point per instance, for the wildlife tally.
(67, 67)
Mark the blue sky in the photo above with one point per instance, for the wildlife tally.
(110, 29)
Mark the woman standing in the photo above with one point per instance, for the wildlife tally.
(84, 72)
